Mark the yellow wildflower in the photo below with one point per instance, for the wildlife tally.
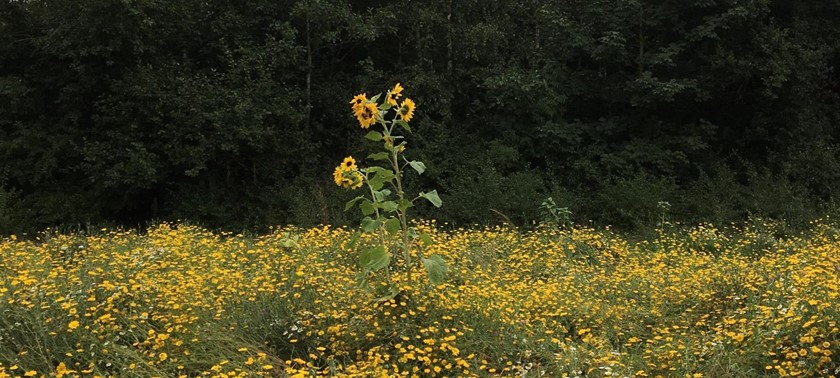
(62, 370)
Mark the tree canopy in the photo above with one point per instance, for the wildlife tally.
(233, 113)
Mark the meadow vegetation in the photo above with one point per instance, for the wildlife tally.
(181, 301)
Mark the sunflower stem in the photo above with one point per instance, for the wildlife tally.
(381, 233)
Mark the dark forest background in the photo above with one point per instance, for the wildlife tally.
(233, 113)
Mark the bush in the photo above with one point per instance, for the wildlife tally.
(488, 194)
(713, 198)
(632, 204)
(774, 196)
(11, 220)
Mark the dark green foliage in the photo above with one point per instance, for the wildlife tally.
(632, 203)
(231, 114)
(10, 212)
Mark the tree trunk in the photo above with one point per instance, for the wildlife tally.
(641, 59)
(449, 41)
(308, 71)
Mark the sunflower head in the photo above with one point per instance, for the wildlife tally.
(348, 179)
(367, 114)
(406, 110)
(349, 163)
(338, 175)
(347, 175)
(358, 102)
(394, 94)
(356, 180)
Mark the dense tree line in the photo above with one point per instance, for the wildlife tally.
(233, 113)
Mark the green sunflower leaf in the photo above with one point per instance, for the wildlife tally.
(403, 204)
(426, 239)
(381, 195)
(392, 292)
(403, 124)
(374, 136)
(436, 268)
(352, 202)
(373, 259)
(389, 206)
(361, 278)
(393, 225)
(367, 207)
(351, 243)
(433, 198)
(369, 224)
(418, 166)
(377, 182)
(379, 156)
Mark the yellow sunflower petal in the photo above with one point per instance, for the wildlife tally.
(407, 110)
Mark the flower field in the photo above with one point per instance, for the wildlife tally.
(182, 301)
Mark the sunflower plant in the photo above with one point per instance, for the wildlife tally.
(386, 204)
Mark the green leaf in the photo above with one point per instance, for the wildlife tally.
(426, 239)
(365, 223)
(374, 136)
(367, 207)
(386, 173)
(289, 242)
(377, 182)
(352, 202)
(379, 156)
(403, 204)
(375, 98)
(392, 292)
(351, 243)
(436, 268)
(385, 106)
(371, 170)
(418, 166)
(380, 177)
(381, 195)
(403, 124)
(369, 224)
(393, 225)
(373, 259)
(361, 278)
(433, 198)
(389, 206)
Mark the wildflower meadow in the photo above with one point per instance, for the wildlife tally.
(180, 301)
